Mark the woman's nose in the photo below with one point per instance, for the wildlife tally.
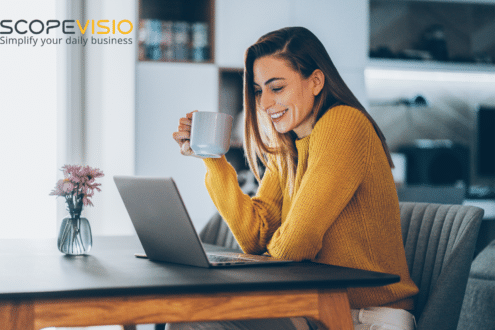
(266, 101)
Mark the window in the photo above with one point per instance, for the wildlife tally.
(28, 127)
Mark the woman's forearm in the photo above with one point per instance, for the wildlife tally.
(252, 220)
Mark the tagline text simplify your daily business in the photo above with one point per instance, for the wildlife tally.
(40, 42)
(16, 32)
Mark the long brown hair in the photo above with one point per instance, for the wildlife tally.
(302, 50)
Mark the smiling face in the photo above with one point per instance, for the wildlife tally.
(285, 95)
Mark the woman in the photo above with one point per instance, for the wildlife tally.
(327, 194)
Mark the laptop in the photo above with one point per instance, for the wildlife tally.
(165, 229)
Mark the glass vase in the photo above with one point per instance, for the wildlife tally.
(75, 236)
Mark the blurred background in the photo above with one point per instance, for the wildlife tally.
(423, 69)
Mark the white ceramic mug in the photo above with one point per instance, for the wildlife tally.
(210, 133)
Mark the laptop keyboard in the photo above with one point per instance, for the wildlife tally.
(221, 258)
(238, 257)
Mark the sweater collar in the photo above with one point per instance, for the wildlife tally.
(303, 144)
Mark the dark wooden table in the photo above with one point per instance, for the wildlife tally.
(40, 287)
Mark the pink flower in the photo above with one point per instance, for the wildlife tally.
(78, 184)
(57, 191)
(87, 202)
(67, 187)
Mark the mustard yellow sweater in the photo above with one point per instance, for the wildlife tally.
(344, 209)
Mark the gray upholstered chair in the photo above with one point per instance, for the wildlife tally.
(479, 301)
(439, 241)
(216, 232)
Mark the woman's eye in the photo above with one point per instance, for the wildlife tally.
(257, 92)
(277, 89)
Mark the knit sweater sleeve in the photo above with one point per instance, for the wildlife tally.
(252, 220)
(337, 161)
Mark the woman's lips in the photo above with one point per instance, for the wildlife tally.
(276, 116)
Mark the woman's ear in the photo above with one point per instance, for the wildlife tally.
(318, 79)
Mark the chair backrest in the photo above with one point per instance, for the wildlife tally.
(216, 232)
(439, 241)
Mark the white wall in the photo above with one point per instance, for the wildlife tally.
(342, 27)
(239, 23)
(110, 115)
(166, 92)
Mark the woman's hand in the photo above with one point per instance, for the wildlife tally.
(183, 135)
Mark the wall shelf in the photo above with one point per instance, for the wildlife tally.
(176, 31)
(416, 65)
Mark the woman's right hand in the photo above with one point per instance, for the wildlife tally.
(183, 136)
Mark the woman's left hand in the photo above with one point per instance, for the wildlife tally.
(183, 134)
